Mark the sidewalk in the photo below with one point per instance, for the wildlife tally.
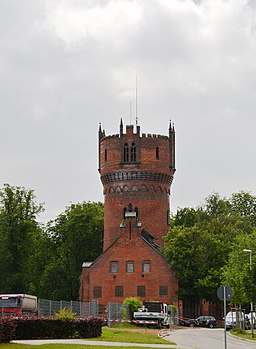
(92, 343)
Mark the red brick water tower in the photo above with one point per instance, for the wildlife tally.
(136, 173)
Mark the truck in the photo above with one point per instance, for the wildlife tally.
(153, 313)
(18, 304)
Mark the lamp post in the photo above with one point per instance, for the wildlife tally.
(252, 322)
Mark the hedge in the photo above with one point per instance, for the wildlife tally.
(7, 329)
(42, 328)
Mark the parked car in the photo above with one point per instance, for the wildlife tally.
(187, 322)
(206, 321)
(231, 318)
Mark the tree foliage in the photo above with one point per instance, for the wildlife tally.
(18, 232)
(204, 243)
(46, 261)
(75, 236)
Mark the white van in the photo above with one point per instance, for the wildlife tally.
(231, 318)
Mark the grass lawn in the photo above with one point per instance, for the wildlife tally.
(109, 335)
(140, 336)
(64, 346)
(246, 335)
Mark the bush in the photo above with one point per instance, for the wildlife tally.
(133, 303)
(65, 314)
(34, 328)
(7, 329)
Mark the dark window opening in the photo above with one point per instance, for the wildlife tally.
(106, 155)
(97, 292)
(163, 291)
(119, 291)
(141, 291)
(126, 153)
(113, 267)
(146, 266)
(133, 152)
(130, 267)
(157, 153)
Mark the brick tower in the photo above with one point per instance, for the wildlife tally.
(136, 173)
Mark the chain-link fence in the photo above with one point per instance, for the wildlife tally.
(48, 308)
(118, 313)
(174, 316)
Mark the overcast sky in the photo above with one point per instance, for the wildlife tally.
(67, 65)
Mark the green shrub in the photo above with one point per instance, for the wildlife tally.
(173, 310)
(65, 314)
(133, 303)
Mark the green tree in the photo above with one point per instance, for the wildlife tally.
(18, 233)
(133, 303)
(76, 236)
(200, 241)
(237, 272)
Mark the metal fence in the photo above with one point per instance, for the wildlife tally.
(118, 312)
(48, 308)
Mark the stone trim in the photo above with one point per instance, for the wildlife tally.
(136, 176)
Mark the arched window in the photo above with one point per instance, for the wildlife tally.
(157, 153)
(126, 153)
(133, 152)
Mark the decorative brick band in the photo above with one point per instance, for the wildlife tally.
(113, 189)
(136, 176)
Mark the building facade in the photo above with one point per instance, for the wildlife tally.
(136, 172)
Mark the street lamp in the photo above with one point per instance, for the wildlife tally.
(250, 253)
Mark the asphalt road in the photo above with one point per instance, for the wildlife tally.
(205, 338)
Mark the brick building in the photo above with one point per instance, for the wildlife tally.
(136, 173)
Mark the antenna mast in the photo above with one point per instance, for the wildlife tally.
(136, 101)
(130, 112)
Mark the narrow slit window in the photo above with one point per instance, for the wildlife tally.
(133, 152)
(126, 153)
(157, 153)
(106, 155)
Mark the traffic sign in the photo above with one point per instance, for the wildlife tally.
(228, 293)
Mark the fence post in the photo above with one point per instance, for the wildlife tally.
(50, 308)
(109, 314)
(38, 307)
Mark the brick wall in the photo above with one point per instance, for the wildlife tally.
(137, 250)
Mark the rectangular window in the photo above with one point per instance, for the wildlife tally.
(113, 267)
(146, 266)
(141, 291)
(163, 291)
(97, 292)
(130, 267)
(119, 291)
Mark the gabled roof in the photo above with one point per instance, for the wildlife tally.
(149, 238)
(145, 235)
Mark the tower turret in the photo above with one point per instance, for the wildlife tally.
(137, 172)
